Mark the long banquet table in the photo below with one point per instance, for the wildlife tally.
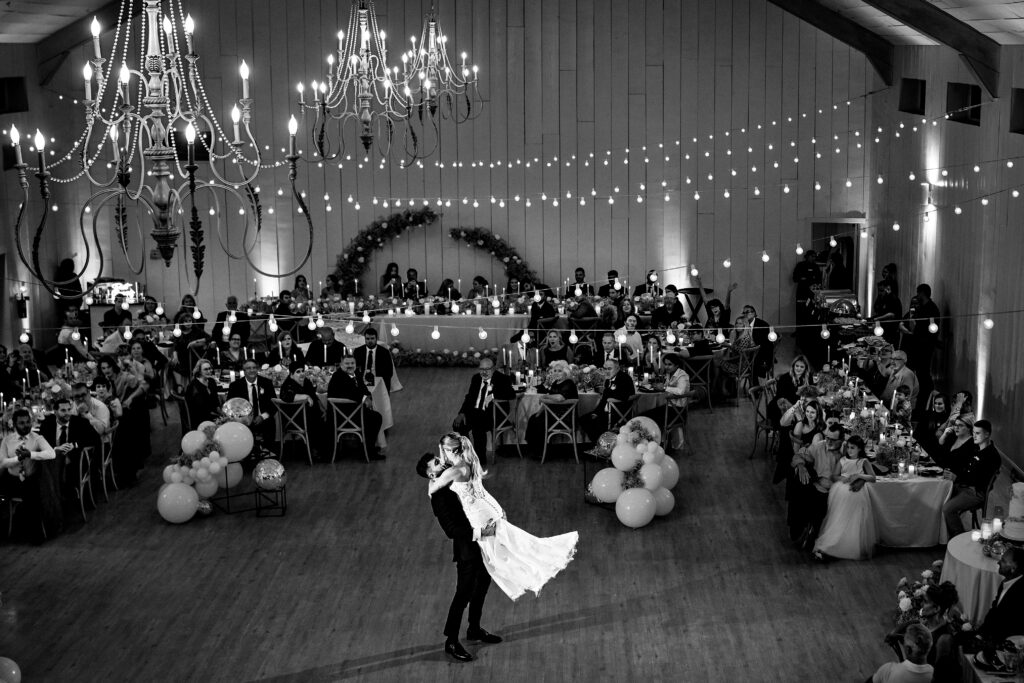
(908, 512)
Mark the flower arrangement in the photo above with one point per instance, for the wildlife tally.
(354, 260)
(829, 380)
(446, 358)
(78, 372)
(277, 374)
(910, 597)
(320, 377)
(864, 427)
(591, 378)
(892, 451)
(841, 401)
(479, 238)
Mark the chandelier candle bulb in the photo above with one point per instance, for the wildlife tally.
(87, 75)
(293, 128)
(236, 116)
(16, 141)
(243, 71)
(40, 146)
(95, 28)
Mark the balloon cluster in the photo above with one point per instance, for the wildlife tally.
(209, 460)
(10, 672)
(639, 483)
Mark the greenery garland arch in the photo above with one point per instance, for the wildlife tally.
(481, 238)
(354, 261)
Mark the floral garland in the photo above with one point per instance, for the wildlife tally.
(446, 358)
(515, 266)
(354, 261)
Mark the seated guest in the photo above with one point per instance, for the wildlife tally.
(628, 335)
(519, 353)
(373, 360)
(963, 404)
(188, 308)
(201, 394)
(936, 412)
(137, 364)
(300, 291)
(901, 407)
(285, 313)
(258, 391)
(298, 387)
(413, 288)
(584, 310)
(742, 339)
(558, 386)
(649, 286)
(610, 349)
(554, 348)
(105, 395)
(897, 374)
(233, 356)
(69, 434)
(192, 344)
(955, 443)
(937, 605)
(150, 351)
(286, 352)
(12, 374)
(586, 289)
(391, 281)
(20, 476)
(93, 410)
(805, 422)
(33, 360)
(887, 312)
(117, 316)
(811, 481)
(76, 351)
(605, 290)
(236, 322)
(973, 476)
(618, 387)
(764, 363)
(346, 384)
(149, 319)
(651, 359)
(326, 350)
(542, 314)
(670, 312)
(514, 286)
(332, 288)
(475, 417)
(1004, 616)
(917, 642)
(719, 315)
(448, 291)
(787, 385)
(677, 386)
(848, 531)
(625, 309)
(480, 290)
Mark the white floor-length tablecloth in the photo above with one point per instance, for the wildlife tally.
(908, 512)
(975, 576)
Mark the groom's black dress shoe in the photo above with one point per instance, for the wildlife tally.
(483, 636)
(454, 649)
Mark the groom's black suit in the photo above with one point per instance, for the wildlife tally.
(474, 580)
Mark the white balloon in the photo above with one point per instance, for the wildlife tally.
(651, 476)
(669, 473)
(664, 501)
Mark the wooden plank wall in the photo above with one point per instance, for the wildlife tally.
(566, 79)
(972, 259)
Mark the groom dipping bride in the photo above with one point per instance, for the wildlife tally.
(486, 546)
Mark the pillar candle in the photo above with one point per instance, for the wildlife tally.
(280, 351)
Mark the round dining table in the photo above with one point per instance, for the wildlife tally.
(975, 576)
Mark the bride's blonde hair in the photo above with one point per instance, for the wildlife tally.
(463, 447)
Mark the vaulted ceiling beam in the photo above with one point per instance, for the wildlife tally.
(980, 52)
(878, 50)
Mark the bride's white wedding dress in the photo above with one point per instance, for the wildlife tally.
(849, 528)
(516, 560)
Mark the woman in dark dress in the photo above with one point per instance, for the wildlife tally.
(188, 307)
(298, 387)
(201, 394)
(286, 351)
(558, 387)
(787, 386)
(933, 421)
(542, 314)
(554, 348)
(391, 281)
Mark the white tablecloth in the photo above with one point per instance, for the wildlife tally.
(529, 405)
(908, 512)
(975, 576)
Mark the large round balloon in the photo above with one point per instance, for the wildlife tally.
(177, 503)
(664, 501)
(192, 442)
(234, 440)
(10, 672)
(237, 409)
(269, 475)
(635, 507)
(229, 476)
(625, 457)
(651, 476)
(647, 425)
(669, 473)
(207, 488)
(606, 442)
(607, 485)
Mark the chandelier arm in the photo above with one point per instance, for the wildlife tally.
(257, 210)
(195, 226)
(121, 220)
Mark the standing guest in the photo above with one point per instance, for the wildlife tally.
(554, 348)
(649, 285)
(326, 350)
(806, 275)
(149, 318)
(91, 409)
(586, 289)
(605, 290)
(1004, 616)
(20, 474)
(413, 288)
(201, 394)
(917, 642)
(889, 275)
(836, 274)
(373, 360)
(391, 281)
(66, 338)
(670, 312)
(973, 477)
(617, 387)
(12, 375)
(188, 307)
(347, 385)
(69, 434)
(627, 334)
(284, 313)
(812, 479)
(887, 312)
(137, 363)
(558, 386)
(239, 326)
(134, 429)
(610, 349)
(259, 392)
(923, 342)
(475, 417)
(897, 374)
(105, 395)
(286, 351)
(66, 279)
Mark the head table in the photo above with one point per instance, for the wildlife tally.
(908, 512)
(457, 332)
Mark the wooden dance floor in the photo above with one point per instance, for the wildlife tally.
(354, 583)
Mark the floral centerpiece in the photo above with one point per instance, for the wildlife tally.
(591, 378)
(277, 374)
(320, 377)
(78, 372)
(910, 597)
(864, 427)
(829, 380)
(645, 303)
(891, 452)
(446, 358)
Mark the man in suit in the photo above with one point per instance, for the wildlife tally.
(69, 434)
(259, 391)
(605, 291)
(764, 362)
(1006, 615)
(898, 374)
(347, 385)
(473, 579)
(475, 416)
(612, 350)
(619, 387)
(373, 360)
(325, 350)
(239, 322)
(586, 289)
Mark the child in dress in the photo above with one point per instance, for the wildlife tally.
(849, 528)
(516, 560)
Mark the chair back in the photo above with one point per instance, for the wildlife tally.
(184, 414)
(699, 370)
(745, 371)
(760, 395)
(291, 417)
(503, 419)
(559, 420)
(621, 411)
(347, 417)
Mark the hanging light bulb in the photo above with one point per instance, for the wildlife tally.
(127, 333)
(89, 301)
(311, 325)
(455, 307)
(536, 296)
(799, 249)
(895, 226)
(988, 323)
(772, 335)
(350, 327)
(727, 263)
(394, 330)
(693, 271)
(366, 316)
(957, 210)
(197, 314)
(621, 338)
(232, 318)
(482, 333)
(878, 330)
(670, 337)
(24, 337)
(76, 335)
(526, 336)
(495, 303)
(319, 320)
(578, 291)
(933, 326)
(177, 330)
(720, 338)
(618, 285)
(863, 233)
(832, 242)
(825, 334)
(573, 338)
(272, 324)
(765, 257)
(435, 334)
(225, 331)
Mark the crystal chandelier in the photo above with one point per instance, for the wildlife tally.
(384, 103)
(128, 149)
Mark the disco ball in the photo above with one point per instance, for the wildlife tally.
(843, 307)
(238, 409)
(269, 475)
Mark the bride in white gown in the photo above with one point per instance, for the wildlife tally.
(516, 560)
(849, 528)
